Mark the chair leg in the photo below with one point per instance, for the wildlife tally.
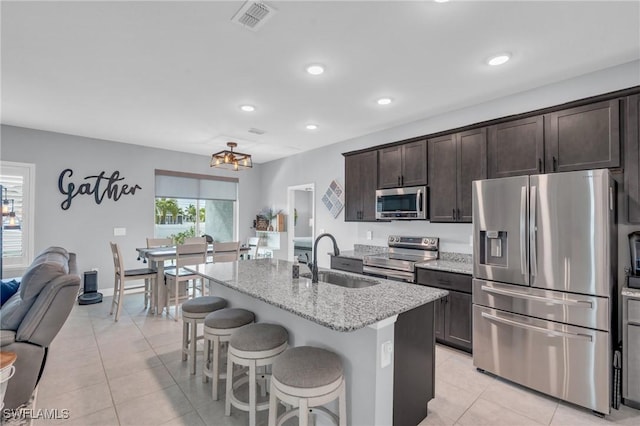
(228, 387)
(273, 405)
(252, 394)
(185, 340)
(175, 301)
(120, 299)
(207, 361)
(193, 344)
(146, 292)
(303, 413)
(115, 294)
(342, 405)
(216, 368)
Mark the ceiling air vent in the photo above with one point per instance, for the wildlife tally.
(253, 14)
(256, 131)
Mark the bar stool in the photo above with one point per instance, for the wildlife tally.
(194, 312)
(218, 328)
(307, 377)
(252, 346)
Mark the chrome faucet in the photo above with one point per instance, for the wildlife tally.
(314, 265)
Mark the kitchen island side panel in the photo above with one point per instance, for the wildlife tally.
(369, 387)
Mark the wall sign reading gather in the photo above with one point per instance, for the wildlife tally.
(99, 186)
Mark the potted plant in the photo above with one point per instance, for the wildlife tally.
(269, 214)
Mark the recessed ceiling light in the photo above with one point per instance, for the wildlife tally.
(315, 69)
(311, 126)
(499, 59)
(247, 108)
(441, 1)
(384, 101)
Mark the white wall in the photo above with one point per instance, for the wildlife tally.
(86, 227)
(323, 165)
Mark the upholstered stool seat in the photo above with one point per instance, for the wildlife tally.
(194, 312)
(307, 377)
(252, 346)
(219, 326)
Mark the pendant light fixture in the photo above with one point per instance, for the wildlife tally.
(230, 159)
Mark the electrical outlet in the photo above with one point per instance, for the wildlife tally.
(386, 351)
(369, 235)
(119, 232)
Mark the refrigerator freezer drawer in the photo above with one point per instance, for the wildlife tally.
(570, 363)
(576, 309)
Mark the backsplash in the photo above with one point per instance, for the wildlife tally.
(456, 257)
(367, 249)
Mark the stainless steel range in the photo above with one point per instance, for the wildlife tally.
(399, 262)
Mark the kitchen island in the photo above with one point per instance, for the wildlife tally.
(383, 333)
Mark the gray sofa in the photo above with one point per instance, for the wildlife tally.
(33, 316)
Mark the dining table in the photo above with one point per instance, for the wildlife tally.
(156, 257)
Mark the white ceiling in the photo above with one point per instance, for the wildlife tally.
(172, 74)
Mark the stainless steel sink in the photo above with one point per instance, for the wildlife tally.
(343, 280)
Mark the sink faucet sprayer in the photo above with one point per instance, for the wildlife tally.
(314, 265)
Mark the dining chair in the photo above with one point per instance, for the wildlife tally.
(254, 245)
(159, 242)
(226, 252)
(121, 276)
(186, 255)
(195, 240)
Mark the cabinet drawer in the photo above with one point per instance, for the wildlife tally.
(633, 311)
(445, 280)
(346, 264)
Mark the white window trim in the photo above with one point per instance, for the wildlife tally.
(28, 217)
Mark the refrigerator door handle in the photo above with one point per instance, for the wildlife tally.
(532, 233)
(569, 302)
(523, 234)
(548, 332)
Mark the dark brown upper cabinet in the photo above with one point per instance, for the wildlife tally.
(516, 148)
(455, 161)
(582, 138)
(632, 157)
(361, 172)
(403, 165)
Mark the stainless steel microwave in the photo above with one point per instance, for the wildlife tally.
(402, 203)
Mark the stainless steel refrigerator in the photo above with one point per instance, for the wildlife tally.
(544, 251)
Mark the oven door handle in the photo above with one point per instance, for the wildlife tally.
(406, 276)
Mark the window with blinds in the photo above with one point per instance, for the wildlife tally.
(17, 182)
(189, 205)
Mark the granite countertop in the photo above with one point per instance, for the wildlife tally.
(450, 262)
(332, 306)
(631, 292)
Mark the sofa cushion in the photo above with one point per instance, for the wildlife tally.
(7, 337)
(13, 311)
(45, 267)
(54, 249)
(7, 289)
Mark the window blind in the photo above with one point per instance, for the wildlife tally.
(202, 187)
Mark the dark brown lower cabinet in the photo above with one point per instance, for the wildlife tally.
(452, 313)
(413, 365)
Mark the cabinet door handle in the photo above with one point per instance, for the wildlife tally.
(453, 214)
(539, 165)
(399, 181)
(402, 180)
(458, 215)
(555, 164)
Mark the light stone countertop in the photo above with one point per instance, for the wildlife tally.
(332, 306)
(459, 263)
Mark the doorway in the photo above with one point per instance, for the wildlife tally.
(301, 221)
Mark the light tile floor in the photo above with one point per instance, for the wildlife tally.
(131, 373)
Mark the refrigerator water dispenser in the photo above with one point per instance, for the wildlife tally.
(493, 248)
